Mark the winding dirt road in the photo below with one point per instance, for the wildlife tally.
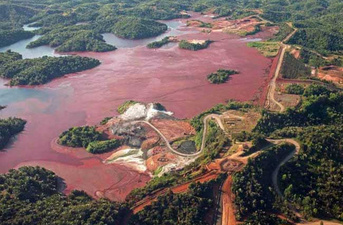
(286, 159)
(272, 85)
(216, 117)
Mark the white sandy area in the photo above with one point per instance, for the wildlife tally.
(140, 111)
(131, 158)
(197, 41)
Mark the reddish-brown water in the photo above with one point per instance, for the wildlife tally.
(174, 77)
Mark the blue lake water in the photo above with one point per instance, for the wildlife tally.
(27, 53)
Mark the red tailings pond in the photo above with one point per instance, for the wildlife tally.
(174, 77)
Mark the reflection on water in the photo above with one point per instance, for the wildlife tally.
(174, 30)
(20, 47)
(29, 53)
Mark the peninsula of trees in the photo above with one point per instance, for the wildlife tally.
(40, 70)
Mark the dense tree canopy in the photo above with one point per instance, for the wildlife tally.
(8, 37)
(41, 70)
(79, 136)
(8, 128)
(30, 195)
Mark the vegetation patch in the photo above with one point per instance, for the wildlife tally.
(8, 37)
(194, 45)
(159, 44)
(221, 76)
(295, 89)
(293, 68)
(252, 186)
(313, 179)
(35, 189)
(123, 107)
(8, 128)
(72, 39)
(187, 208)
(41, 70)
(99, 147)
(268, 49)
(137, 28)
(79, 137)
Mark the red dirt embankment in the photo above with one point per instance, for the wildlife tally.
(263, 97)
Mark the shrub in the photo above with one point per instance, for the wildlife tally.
(295, 89)
(98, 147)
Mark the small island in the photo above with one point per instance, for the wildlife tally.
(73, 40)
(40, 70)
(8, 128)
(137, 28)
(194, 45)
(87, 137)
(164, 41)
(221, 76)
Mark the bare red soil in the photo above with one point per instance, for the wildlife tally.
(174, 77)
(228, 217)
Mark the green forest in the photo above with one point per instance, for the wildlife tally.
(30, 195)
(8, 128)
(318, 22)
(40, 70)
(184, 44)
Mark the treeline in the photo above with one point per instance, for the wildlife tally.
(89, 138)
(8, 57)
(313, 179)
(320, 106)
(8, 128)
(74, 38)
(322, 41)
(8, 37)
(318, 22)
(187, 209)
(42, 70)
(137, 28)
(252, 186)
(30, 195)
(159, 44)
(184, 44)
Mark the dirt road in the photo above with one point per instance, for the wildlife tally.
(228, 215)
(272, 85)
(286, 159)
(216, 117)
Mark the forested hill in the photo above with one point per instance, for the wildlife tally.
(318, 21)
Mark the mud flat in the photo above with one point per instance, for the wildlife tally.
(174, 77)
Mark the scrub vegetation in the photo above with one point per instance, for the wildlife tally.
(221, 76)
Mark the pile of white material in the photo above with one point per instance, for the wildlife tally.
(132, 158)
(140, 111)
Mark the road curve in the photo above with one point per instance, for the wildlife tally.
(211, 116)
(286, 159)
